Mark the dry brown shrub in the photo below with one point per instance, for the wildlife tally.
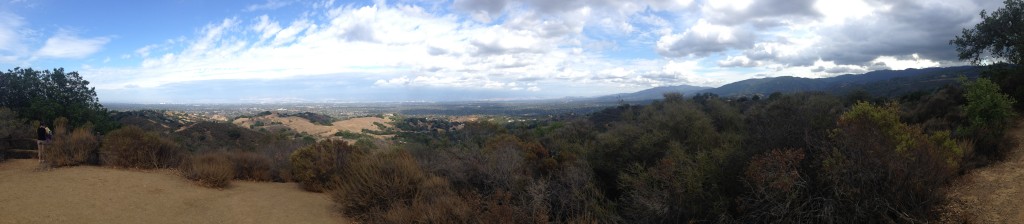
(132, 147)
(436, 203)
(498, 208)
(391, 188)
(69, 149)
(778, 191)
(279, 148)
(210, 170)
(315, 166)
(251, 166)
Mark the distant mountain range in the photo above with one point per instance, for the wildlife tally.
(876, 83)
(654, 93)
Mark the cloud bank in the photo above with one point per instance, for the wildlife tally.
(532, 48)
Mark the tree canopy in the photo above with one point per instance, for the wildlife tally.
(1000, 34)
(47, 94)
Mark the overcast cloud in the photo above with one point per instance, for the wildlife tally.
(533, 48)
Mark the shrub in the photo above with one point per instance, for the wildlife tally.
(881, 169)
(790, 121)
(437, 208)
(989, 113)
(278, 147)
(680, 187)
(251, 166)
(210, 170)
(315, 166)
(69, 149)
(778, 190)
(391, 188)
(12, 127)
(131, 147)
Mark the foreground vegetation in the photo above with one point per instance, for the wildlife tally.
(793, 158)
(805, 157)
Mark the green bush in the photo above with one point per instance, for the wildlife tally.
(210, 170)
(989, 113)
(131, 147)
(315, 166)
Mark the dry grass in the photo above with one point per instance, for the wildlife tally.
(210, 170)
(69, 149)
(299, 125)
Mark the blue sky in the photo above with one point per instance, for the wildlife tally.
(436, 50)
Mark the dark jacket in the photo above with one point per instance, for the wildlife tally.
(41, 132)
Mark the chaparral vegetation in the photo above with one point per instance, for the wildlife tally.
(795, 157)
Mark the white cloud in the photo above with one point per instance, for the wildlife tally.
(393, 45)
(68, 45)
(266, 28)
(704, 38)
(12, 38)
(144, 50)
(738, 61)
(268, 5)
(9, 35)
(523, 45)
(897, 63)
(839, 12)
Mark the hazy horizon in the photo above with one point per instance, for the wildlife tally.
(465, 50)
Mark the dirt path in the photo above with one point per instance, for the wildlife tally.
(993, 194)
(88, 194)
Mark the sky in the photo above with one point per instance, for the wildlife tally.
(190, 51)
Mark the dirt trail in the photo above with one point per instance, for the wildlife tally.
(993, 194)
(88, 194)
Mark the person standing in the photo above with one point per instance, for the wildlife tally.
(42, 135)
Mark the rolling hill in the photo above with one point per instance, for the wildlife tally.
(876, 83)
(653, 93)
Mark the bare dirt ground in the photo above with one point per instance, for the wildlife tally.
(993, 194)
(88, 194)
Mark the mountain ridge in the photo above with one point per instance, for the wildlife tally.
(876, 83)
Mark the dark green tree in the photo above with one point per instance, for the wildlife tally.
(48, 94)
(1000, 34)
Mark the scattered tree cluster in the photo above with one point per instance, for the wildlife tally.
(48, 94)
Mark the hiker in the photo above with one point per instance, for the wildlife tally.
(43, 135)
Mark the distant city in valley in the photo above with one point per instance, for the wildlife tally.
(885, 83)
(346, 110)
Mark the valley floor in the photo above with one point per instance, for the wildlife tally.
(89, 194)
